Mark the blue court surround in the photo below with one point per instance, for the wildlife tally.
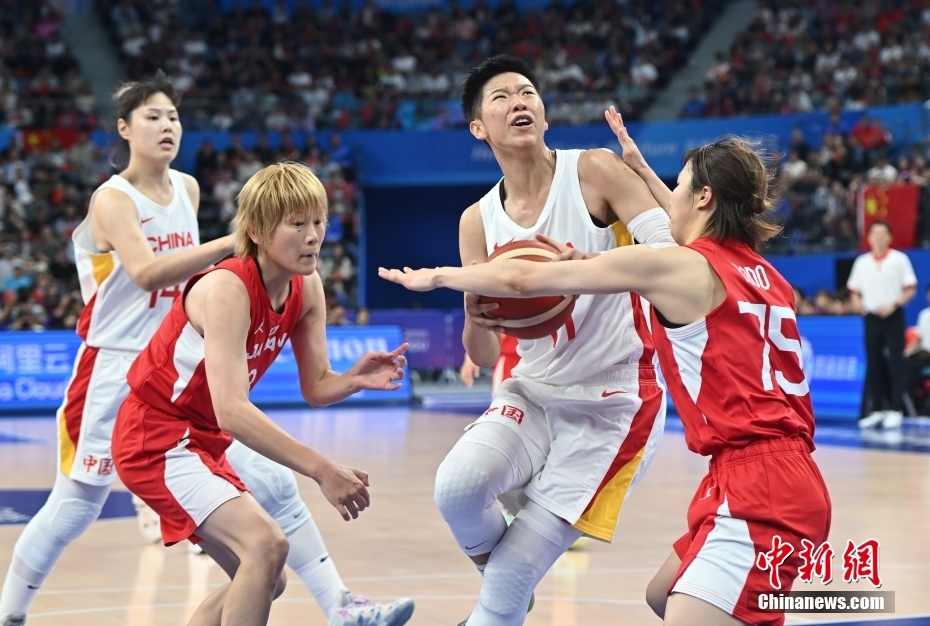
(17, 506)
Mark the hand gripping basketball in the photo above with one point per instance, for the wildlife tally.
(529, 318)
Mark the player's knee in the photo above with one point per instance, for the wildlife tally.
(71, 518)
(461, 489)
(268, 546)
(280, 585)
(657, 596)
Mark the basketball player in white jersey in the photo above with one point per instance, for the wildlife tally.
(579, 421)
(135, 251)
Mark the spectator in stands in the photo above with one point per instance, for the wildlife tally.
(882, 281)
(225, 191)
(694, 106)
(795, 167)
(22, 313)
(19, 280)
(882, 173)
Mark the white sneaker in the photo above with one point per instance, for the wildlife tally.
(13, 620)
(872, 420)
(149, 523)
(360, 611)
(892, 420)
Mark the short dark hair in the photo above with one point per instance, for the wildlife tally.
(881, 223)
(479, 77)
(130, 96)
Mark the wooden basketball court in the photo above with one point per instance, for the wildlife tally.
(402, 547)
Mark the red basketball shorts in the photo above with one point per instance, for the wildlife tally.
(749, 496)
(179, 471)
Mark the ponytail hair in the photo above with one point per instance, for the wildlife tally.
(742, 184)
(129, 97)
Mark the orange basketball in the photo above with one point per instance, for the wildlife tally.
(529, 318)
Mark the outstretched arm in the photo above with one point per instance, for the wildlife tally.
(678, 280)
(219, 307)
(319, 384)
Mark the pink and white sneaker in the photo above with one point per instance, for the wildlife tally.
(360, 611)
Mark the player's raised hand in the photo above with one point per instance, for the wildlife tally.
(346, 489)
(380, 370)
(631, 154)
(566, 252)
(414, 280)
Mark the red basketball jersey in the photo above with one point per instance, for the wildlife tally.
(736, 375)
(170, 374)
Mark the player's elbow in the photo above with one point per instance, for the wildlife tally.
(311, 395)
(143, 279)
(315, 401)
(228, 416)
(518, 280)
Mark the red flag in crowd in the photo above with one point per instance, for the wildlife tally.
(896, 205)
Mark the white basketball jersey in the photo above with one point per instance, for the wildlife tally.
(118, 314)
(601, 331)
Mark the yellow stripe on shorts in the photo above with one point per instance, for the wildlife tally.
(66, 447)
(600, 520)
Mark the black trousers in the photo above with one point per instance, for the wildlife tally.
(884, 353)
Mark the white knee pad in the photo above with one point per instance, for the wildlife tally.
(487, 461)
(71, 507)
(272, 484)
(511, 574)
(72, 517)
(462, 490)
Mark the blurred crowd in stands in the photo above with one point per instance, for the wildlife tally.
(40, 82)
(292, 68)
(824, 302)
(798, 56)
(343, 67)
(44, 191)
(819, 188)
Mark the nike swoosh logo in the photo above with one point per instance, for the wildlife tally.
(31, 587)
(148, 219)
(477, 544)
(607, 394)
(496, 248)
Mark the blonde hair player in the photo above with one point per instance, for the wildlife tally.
(561, 476)
(748, 409)
(134, 251)
(190, 396)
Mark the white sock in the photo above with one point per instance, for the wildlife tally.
(311, 562)
(18, 593)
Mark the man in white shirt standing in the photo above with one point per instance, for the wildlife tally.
(882, 281)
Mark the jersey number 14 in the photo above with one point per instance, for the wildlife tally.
(170, 292)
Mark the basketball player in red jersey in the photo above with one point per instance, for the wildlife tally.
(190, 395)
(749, 409)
